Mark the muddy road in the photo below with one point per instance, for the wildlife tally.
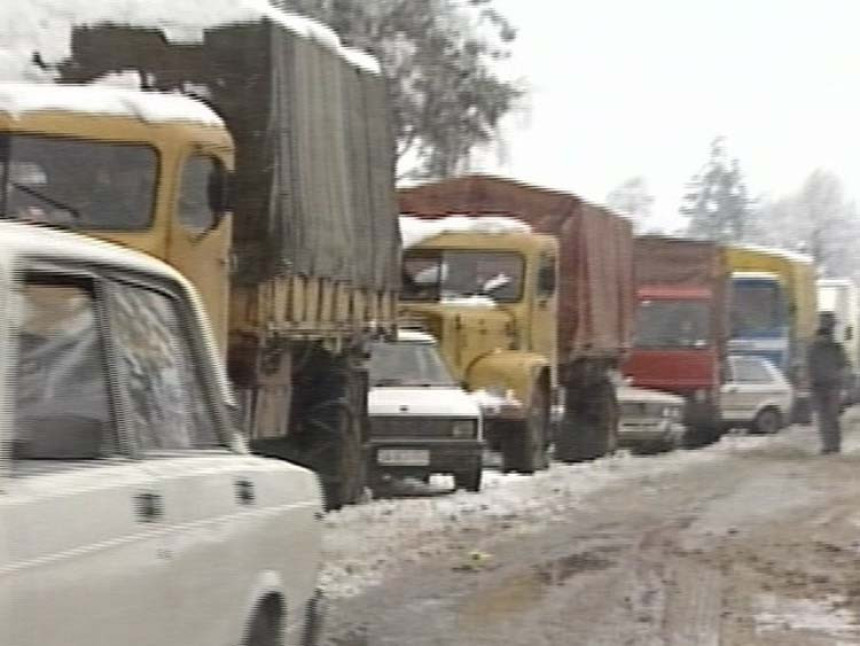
(759, 544)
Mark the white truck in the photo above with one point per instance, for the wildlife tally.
(131, 512)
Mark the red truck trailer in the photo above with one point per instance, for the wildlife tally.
(595, 297)
(681, 326)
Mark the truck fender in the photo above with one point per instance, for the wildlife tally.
(508, 370)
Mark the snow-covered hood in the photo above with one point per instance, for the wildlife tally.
(631, 394)
(421, 402)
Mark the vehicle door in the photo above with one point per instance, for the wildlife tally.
(83, 563)
(751, 385)
(200, 234)
(227, 512)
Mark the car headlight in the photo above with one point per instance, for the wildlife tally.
(464, 428)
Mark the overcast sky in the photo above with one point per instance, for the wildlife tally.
(623, 87)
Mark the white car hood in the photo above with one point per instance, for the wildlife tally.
(421, 402)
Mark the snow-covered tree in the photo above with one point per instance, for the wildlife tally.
(439, 57)
(716, 202)
(633, 199)
(819, 220)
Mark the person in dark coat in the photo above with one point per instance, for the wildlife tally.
(828, 364)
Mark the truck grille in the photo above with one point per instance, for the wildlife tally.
(411, 427)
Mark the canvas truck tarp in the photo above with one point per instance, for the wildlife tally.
(596, 296)
(314, 180)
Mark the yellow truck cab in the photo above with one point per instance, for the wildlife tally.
(490, 299)
(303, 276)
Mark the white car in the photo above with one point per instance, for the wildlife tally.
(650, 420)
(422, 421)
(755, 395)
(130, 511)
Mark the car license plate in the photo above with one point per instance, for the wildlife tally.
(404, 457)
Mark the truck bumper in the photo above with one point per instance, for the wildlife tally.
(664, 432)
(421, 456)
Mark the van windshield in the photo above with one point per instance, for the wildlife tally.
(758, 308)
(80, 184)
(408, 364)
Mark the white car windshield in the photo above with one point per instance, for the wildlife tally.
(408, 364)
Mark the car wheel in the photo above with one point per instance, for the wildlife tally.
(469, 480)
(767, 422)
(266, 629)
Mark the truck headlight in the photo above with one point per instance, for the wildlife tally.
(464, 428)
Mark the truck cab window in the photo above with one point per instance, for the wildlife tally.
(169, 407)
(546, 280)
(201, 199)
(62, 406)
(77, 183)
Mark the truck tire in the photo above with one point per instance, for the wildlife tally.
(697, 437)
(469, 480)
(267, 626)
(524, 445)
(590, 427)
(330, 418)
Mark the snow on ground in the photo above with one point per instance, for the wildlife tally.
(366, 543)
(826, 616)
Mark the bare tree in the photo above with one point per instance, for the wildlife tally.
(819, 220)
(633, 199)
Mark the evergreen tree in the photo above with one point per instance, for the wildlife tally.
(716, 203)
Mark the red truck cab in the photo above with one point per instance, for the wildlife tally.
(679, 340)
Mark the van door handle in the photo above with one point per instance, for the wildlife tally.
(245, 494)
(149, 507)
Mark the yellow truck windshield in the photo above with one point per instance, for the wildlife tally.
(77, 183)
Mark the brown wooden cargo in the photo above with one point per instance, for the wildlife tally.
(596, 296)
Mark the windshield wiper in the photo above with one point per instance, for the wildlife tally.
(75, 213)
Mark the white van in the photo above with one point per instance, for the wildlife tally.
(422, 421)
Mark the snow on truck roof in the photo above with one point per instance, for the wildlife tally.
(794, 256)
(415, 230)
(153, 107)
(45, 27)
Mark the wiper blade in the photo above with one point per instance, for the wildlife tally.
(75, 213)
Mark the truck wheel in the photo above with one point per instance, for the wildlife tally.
(767, 422)
(697, 437)
(331, 424)
(469, 480)
(525, 443)
(266, 628)
(590, 427)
